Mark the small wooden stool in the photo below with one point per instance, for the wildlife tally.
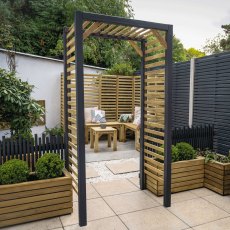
(97, 132)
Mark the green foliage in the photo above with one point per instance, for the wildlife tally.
(121, 69)
(185, 151)
(179, 52)
(14, 171)
(175, 153)
(56, 131)
(211, 156)
(194, 53)
(49, 166)
(181, 151)
(17, 106)
(219, 43)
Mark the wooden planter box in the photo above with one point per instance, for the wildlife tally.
(217, 177)
(35, 200)
(186, 175)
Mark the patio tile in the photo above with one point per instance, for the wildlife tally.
(110, 223)
(157, 218)
(202, 192)
(222, 202)
(114, 187)
(135, 181)
(71, 218)
(130, 202)
(222, 224)
(48, 224)
(197, 211)
(96, 209)
(91, 193)
(176, 197)
(123, 167)
(91, 172)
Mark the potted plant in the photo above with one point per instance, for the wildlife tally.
(26, 196)
(187, 171)
(217, 172)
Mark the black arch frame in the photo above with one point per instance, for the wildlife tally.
(80, 17)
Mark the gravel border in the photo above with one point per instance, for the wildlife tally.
(106, 175)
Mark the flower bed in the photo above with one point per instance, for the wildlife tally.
(35, 200)
(217, 177)
(26, 196)
(187, 171)
(186, 175)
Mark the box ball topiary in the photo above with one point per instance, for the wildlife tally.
(14, 171)
(49, 166)
(185, 151)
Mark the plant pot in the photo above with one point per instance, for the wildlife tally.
(186, 175)
(103, 125)
(35, 200)
(217, 177)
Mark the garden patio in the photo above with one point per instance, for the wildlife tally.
(144, 163)
(120, 204)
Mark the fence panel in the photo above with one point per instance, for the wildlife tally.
(200, 137)
(30, 150)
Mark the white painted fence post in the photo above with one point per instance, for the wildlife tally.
(191, 91)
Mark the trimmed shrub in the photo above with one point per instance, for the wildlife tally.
(175, 154)
(14, 171)
(49, 166)
(185, 151)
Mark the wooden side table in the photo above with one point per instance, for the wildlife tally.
(97, 132)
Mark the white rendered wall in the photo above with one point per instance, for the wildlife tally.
(44, 74)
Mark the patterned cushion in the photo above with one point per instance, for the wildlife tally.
(88, 116)
(137, 116)
(126, 118)
(98, 116)
(137, 120)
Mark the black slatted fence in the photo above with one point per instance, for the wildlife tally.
(200, 137)
(30, 150)
(211, 96)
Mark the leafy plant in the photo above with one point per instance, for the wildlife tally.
(185, 151)
(14, 171)
(174, 153)
(213, 156)
(49, 166)
(17, 106)
(121, 69)
(56, 131)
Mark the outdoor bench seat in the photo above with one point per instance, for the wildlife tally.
(121, 127)
(136, 130)
(113, 124)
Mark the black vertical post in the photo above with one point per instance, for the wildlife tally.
(65, 100)
(142, 154)
(79, 59)
(168, 118)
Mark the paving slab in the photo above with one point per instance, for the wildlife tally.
(157, 218)
(197, 211)
(48, 224)
(222, 224)
(130, 202)
(91, 172)
(123, 167)
(114, 187)
(110, 223)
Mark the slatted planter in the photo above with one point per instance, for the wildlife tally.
(186, 175)
(217, 177)
(35, 200)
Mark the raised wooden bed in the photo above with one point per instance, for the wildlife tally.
(186, 175)
(217, 177)
(35, 200)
